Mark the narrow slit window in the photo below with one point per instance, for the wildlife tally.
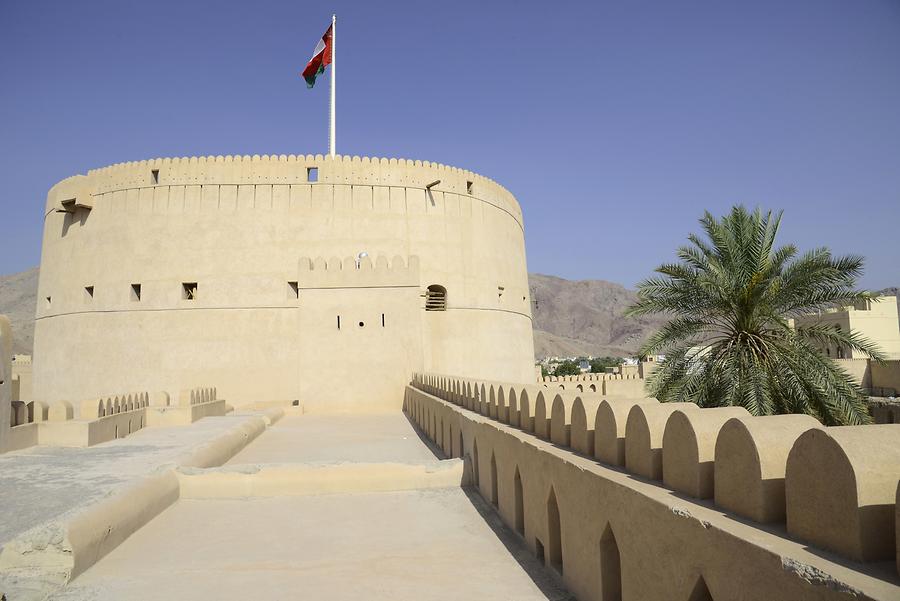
(469, 187)
(189, 290)
(312, 174)
(382, 320)
(436, 298)
(293, 290)
(154, 176)
(136, 292)
(339, 321)
(88, 293)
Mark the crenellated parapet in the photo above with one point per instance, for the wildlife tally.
(281, 170)
(197, 396)
(113, 405)
(111, 417)
(834, 488)
(361, 272)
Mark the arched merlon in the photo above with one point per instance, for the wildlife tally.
(584, 416)
(609, 429)
(677, 539)
(526, 410)
(501, 412)
(689, 448)
(644, 431)
(512, 403)
(840, 489)
(561, 418)
(751, 456)
(542, 406)
(492, 402)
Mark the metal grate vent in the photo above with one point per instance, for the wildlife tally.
(436, 298)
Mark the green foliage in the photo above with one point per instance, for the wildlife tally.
(599, 364)
(544, 372)
(567, 368)
(729, 341)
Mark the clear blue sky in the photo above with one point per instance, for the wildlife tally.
(614, 123)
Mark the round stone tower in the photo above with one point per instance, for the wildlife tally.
(279, 278)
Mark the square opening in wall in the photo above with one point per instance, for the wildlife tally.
(135, 292)
(293, 290)
(88, 293)
(469, 186)
(189, 290)
(312, 174)
(154, 176)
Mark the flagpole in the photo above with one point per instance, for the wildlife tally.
(331, 134)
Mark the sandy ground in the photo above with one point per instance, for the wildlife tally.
(403, 545)
(314, 439)
(41, 483)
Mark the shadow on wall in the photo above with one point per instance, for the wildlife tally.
(763, 470)
(547, 582)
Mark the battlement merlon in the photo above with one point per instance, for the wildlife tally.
(358, 273)
(280, 170)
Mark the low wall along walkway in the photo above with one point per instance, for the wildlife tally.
(635, 499)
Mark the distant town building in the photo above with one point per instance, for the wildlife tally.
(875, 320)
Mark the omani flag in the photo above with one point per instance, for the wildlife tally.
(321, 58)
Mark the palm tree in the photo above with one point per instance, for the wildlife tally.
(731, 340)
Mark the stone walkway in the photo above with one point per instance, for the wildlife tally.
(40, 484)
(418, 545)
(338, 438)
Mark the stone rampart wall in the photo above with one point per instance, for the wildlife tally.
(660, 500)
(105, 419)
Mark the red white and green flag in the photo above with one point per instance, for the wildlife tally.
(321, 58)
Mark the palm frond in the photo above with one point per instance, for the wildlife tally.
(729, 342)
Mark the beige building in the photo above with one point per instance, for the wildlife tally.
(876, 321)
(276, 277)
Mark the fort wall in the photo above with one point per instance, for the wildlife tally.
(96, 421)
(169, 273)
(21, 378)
(603, 529)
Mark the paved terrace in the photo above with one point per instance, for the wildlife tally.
(402, 544)
(338, 438)
(393, 545)
(40, 484)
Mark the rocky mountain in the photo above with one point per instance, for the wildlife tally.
(571, 317)
(585, 317)
(18, 295)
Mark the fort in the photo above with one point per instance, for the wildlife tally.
(244, 271)
(255, 376)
